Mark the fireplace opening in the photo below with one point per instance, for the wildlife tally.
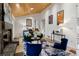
(7, 37)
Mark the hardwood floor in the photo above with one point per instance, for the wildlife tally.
(20, 46)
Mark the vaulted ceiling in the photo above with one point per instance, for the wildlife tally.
(24, 9)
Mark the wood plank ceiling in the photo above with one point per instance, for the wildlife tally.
(24, 9)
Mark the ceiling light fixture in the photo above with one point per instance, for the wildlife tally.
(18, 5)
(32, 8)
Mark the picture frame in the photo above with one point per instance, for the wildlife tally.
(51, 19)
(29, 22)
(60, 17)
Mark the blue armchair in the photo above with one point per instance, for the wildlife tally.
(33, 49)
(61, 45)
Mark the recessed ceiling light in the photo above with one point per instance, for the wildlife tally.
(32, 8)
(18, 5)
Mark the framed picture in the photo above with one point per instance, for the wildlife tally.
(29, 22)
(60, 17)
(51, 19)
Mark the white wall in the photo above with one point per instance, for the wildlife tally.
(20, 25)
(77, 29)
(7, 16)
(78, 22)
(18, 29)
(49, 27)
(69, 25)
(36, 19)
(22, 20)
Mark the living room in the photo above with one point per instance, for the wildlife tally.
(54, 20)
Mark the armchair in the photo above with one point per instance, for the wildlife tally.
(33, 49)
(61, 45)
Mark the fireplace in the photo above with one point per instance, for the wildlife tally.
(7, 37)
